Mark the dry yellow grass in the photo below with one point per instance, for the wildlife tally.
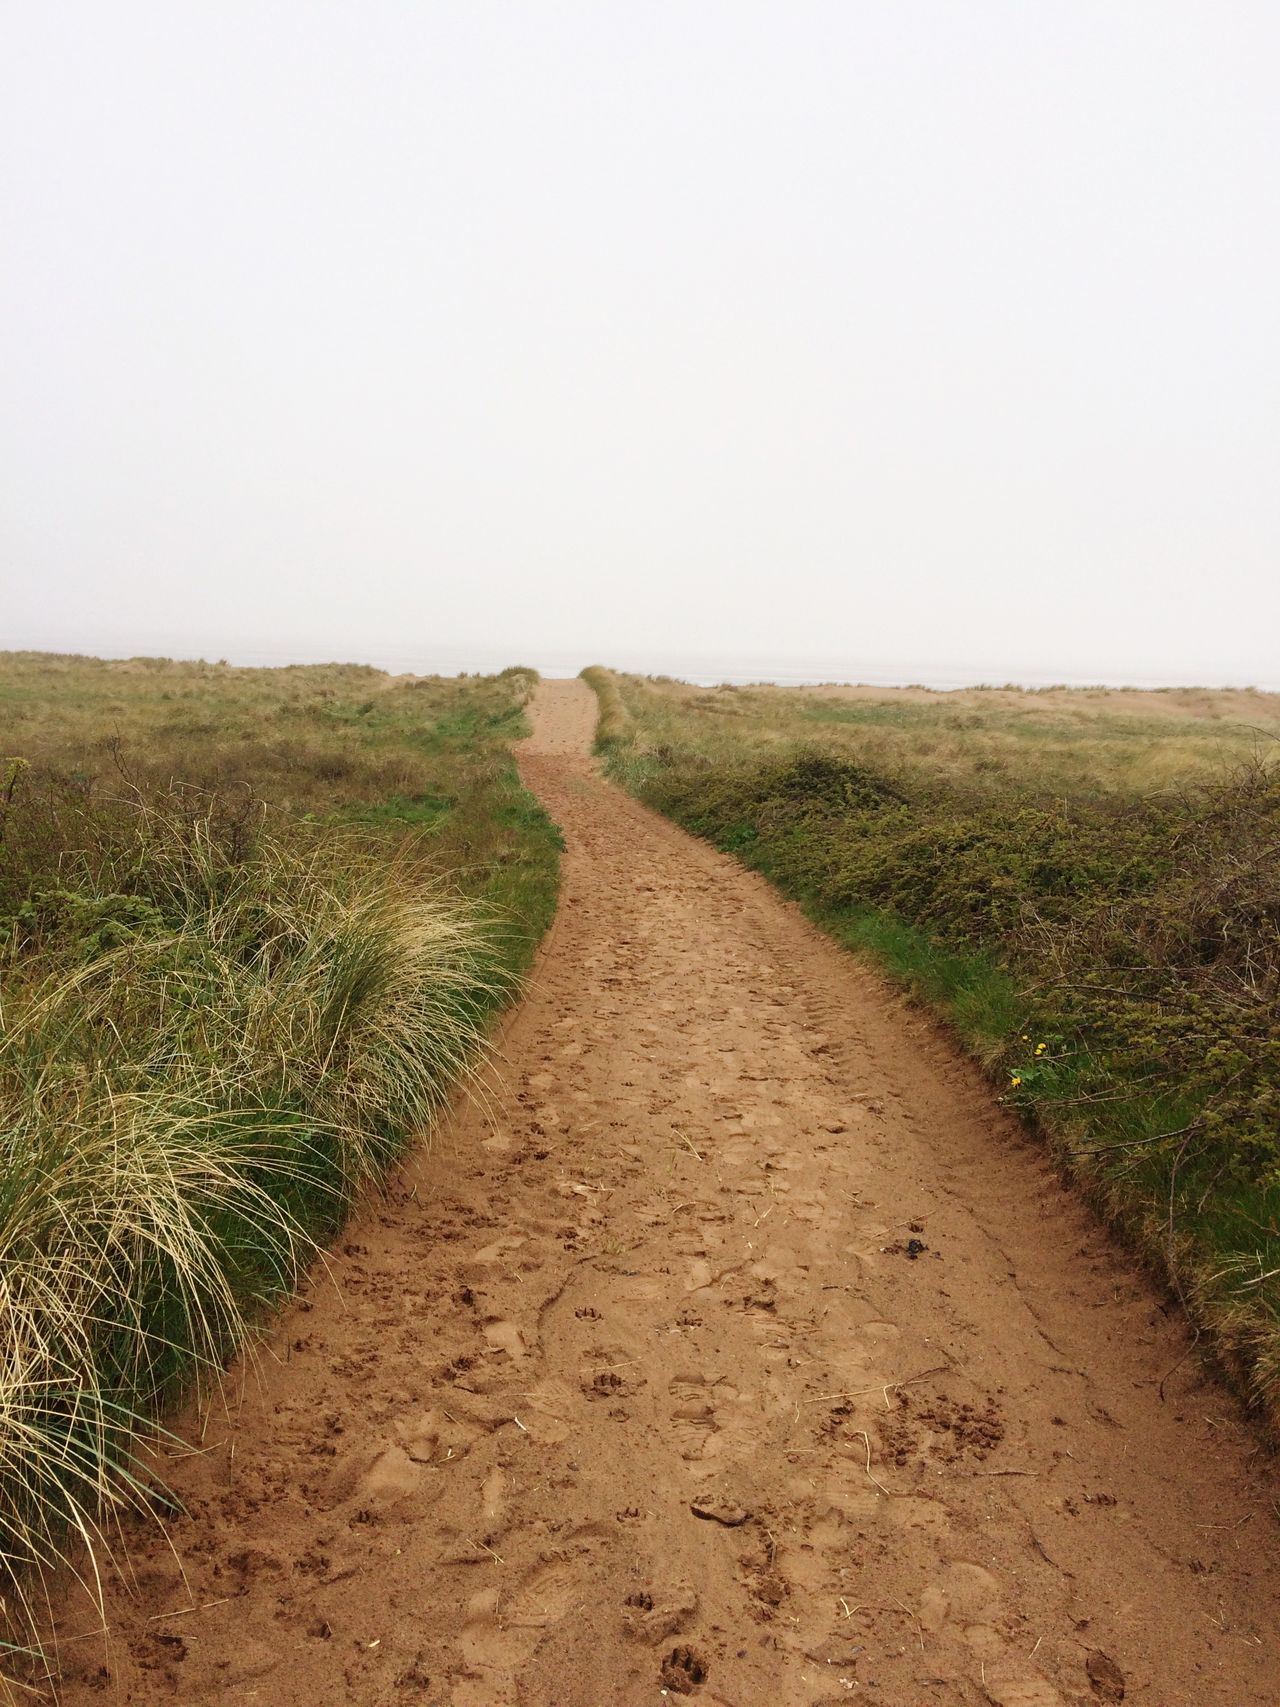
(1056, 740)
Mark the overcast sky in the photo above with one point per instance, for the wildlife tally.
(927, 336)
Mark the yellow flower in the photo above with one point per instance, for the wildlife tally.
(1040, 1048)
(1016, 1080)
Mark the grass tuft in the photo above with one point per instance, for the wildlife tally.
(614, 724)
(183, 1116)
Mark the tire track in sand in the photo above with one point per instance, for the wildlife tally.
(634, 1384)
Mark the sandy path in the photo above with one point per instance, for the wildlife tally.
(664, 1284)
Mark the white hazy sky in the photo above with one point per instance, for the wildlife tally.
(940, 337)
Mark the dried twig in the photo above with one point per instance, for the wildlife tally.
(886, 1389)
(182, 1611)
(866, 1440)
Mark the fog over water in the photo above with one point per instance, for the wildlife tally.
(894, 341)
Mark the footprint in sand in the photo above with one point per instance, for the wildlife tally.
(883, 1333)
(609, 1371)
(505, 1336)
(546, 1595)
(500, 1249)
(391, 1477)
(480, 1640)
(1016, 1687)
(433, 1438)
(544, 1412)
(683, 1670)
(658, 1611)
(693, 1415)
(965, 1594)
(847, 1494)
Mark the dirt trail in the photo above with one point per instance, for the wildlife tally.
(738, 1348)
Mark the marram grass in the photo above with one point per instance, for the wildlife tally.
(614, 723)
(184, 1116)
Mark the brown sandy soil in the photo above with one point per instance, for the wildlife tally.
(739, 1347)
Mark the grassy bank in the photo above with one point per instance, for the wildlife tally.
(1099, 921)
(425, 760)
(253, 926)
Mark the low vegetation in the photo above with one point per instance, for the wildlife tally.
(1086, 885)
(614, 723)
(252, 925)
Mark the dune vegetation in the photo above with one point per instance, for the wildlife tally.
(254, 924)
(1085, 884)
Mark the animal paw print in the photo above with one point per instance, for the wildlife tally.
(610, 1375)
(683, 1670)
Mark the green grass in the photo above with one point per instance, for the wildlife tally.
(980, 998)
(253, 928)
(1099, 923)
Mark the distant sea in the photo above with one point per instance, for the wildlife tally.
(702, 668)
